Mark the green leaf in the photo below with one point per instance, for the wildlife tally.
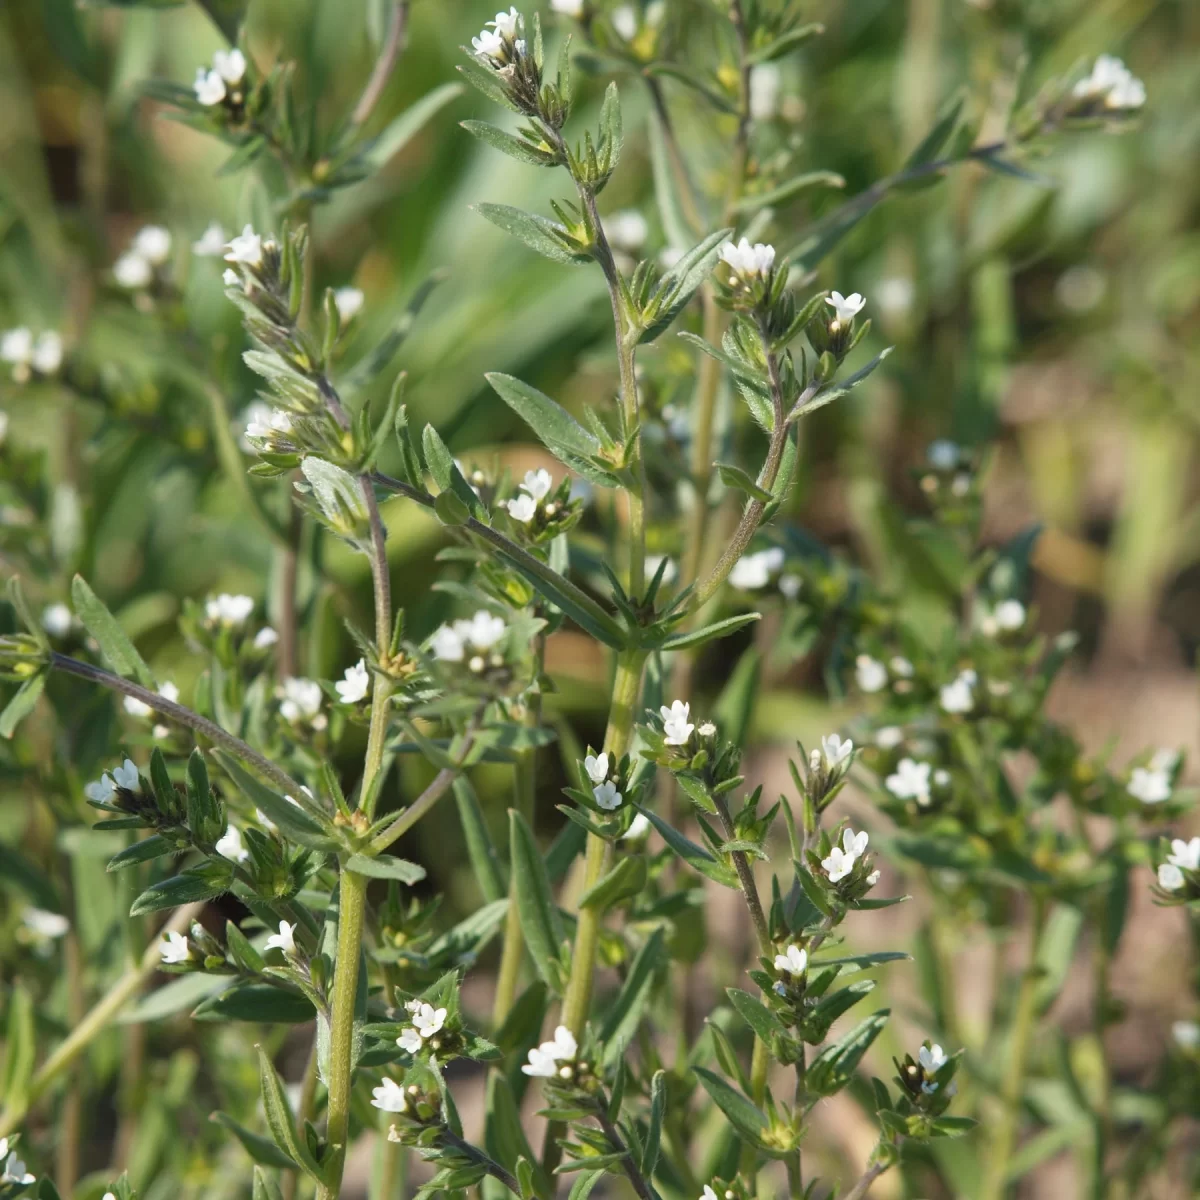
(610, 125)
(259, 1002)
(621, 1021)
(786, 191)
(20, 1048)
(280, 1120)
(658, 1109)
(446, 474)
(264, 1187)
(836, 391)
(708, 633)
(261, 1149)
(743, 1115)
(506, 143)
(831, 1070)
(408, 124)
(485, 862)
(293, 821)
(735, 477)
(22, 704)
(785, 44)
(932, 144)
(756, 1014)
(386, 867)
(681, 283)
(953, 1126)
(178, 890)
(152, 847)
(180, 995)
(695, 856)
(540, 920)
(547, 237)
(626, 879)
(115, 645)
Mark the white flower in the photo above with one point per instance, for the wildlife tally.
(845, 308)
(931, 1058)
(409, 1040)
(941, 777)
(429, 1020)
(389, 1096)
(872, 879)
(747, 260)
(48, 353)
(522, 508)
(349, 301)
(625, 22)
(56, 620)
(956, 697)
(596, 766)
(765, 85)
(855, 844)
(541, 1065)
(230, 65)
(889, 737)
(564, 1046)
(45, 924)
(356, 683)
(627, 230)
(447, 644)
(639, 827)
(1185, 855)
(708, 729)
(211, 243)
(676, 727)
(1149, 786)
(1009, 615)
(101, 790)
(126, 775)
(301, 700)
(209, 87)
(175, 948)
(132, 271)
(153, 243)
(265, 422)
(228, 610)
(538, 483)
(1111, 81)
(835, 751)
(789, 586)
(607, 796)
(229, 845)
(489, 44)
(708, 1193)
(911, 781)
(506, 23)
(230, 278)
(283, 940)
(544, 1059)
(901, 666)
(754, 570)
(14, 1170)
(1186, 1034)
(485, 630)
(16, 346)
(569, 8)
(838, 865)
(870, 674)
(793, 961)
(246, 248)
(265, 638)
(1170, 877)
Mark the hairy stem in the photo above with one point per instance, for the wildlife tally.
(863, 1186)
(494, 1169)
(385, 64)
(633, 1172)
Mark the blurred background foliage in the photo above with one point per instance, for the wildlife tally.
(1055, 323)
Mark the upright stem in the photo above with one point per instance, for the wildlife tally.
(629, 1164)
(70, 1118)
(995, 1179)
(863, 1186)
(393, 46)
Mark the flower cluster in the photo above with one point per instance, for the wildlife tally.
(427, 1023)
(1181, 870)
(142, 264)
(471, 641)
(604, 790)
(1109, 88)
(31, 357)
(12, 1169)
(554, 1058)
(841, 861)
(300, 703)
(224, 82)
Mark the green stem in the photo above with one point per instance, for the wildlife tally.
(995, 1179)
(863, 1186)
(389, 1183)
(97, 1020)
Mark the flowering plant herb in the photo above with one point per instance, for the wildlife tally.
(251, 774)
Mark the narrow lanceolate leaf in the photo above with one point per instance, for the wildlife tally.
(21, 705)
(735, 477)
(787, 191)
(261, 1003)
(744, 1116)
(485, 862)
(113, 641)
(291, 819)
(386, 867)
(708, 633)
(148, 848)
(836, 391)
(264, 1186)
(756, 1014)
(279, 1118)
(506, 143)
(626, 879)
(695, 856)
(540, 920)
(179, 889)
(261, 1149)
(832, 1068)
(658, 1110)
(621, 1021)
(932, 144)
(409, 123)
(681, 283)
(547, 237)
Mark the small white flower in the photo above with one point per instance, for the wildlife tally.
(870, 674)
(175, 948)
(625, 22)
(45, 924)
(538, 483)
(489, 44)
(132, 271)
(941, 777)
(229, 845)
(153, 243)
(228, 610)
(506, 23)
(389, 1096)
(639, 827)
(872, 879)
(564, 1047)
(209, 87)
(522, 508)
(607, 796)
(838, 865)
(753, 571)
(707, 729)
(230, 65)
(1185, 855)
(14, 1170)
(957, 697)
(793, 961)
(789, 586)
(16, 346)
(541, 1065)
(410, 1040)
(301, 700)
(845, 308)
(230, 278)
(627, 230)
(265, 423)
(855, 844)
(126, 775)
(136, 708)
(48, 353)
(1111, 80)
(56, 620)
(283, 940)
(447, 644)
(900, 666)
(596, 766)
(485, 630)
(429, 1020)
(1170, 877)
(931, 1058)
(889, 737)
(747, 260)
(356, 683)
(246, 248)
(766, 83)
(101, 791)
(1009, 615)
(911, 781)
(708, 1193)
(835, 751)
(211, 243)
(1186, 1034)
(1149, 786)
(569, 8)
(349, 301)
(676, 727)
(169, 691)
(265, 638)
